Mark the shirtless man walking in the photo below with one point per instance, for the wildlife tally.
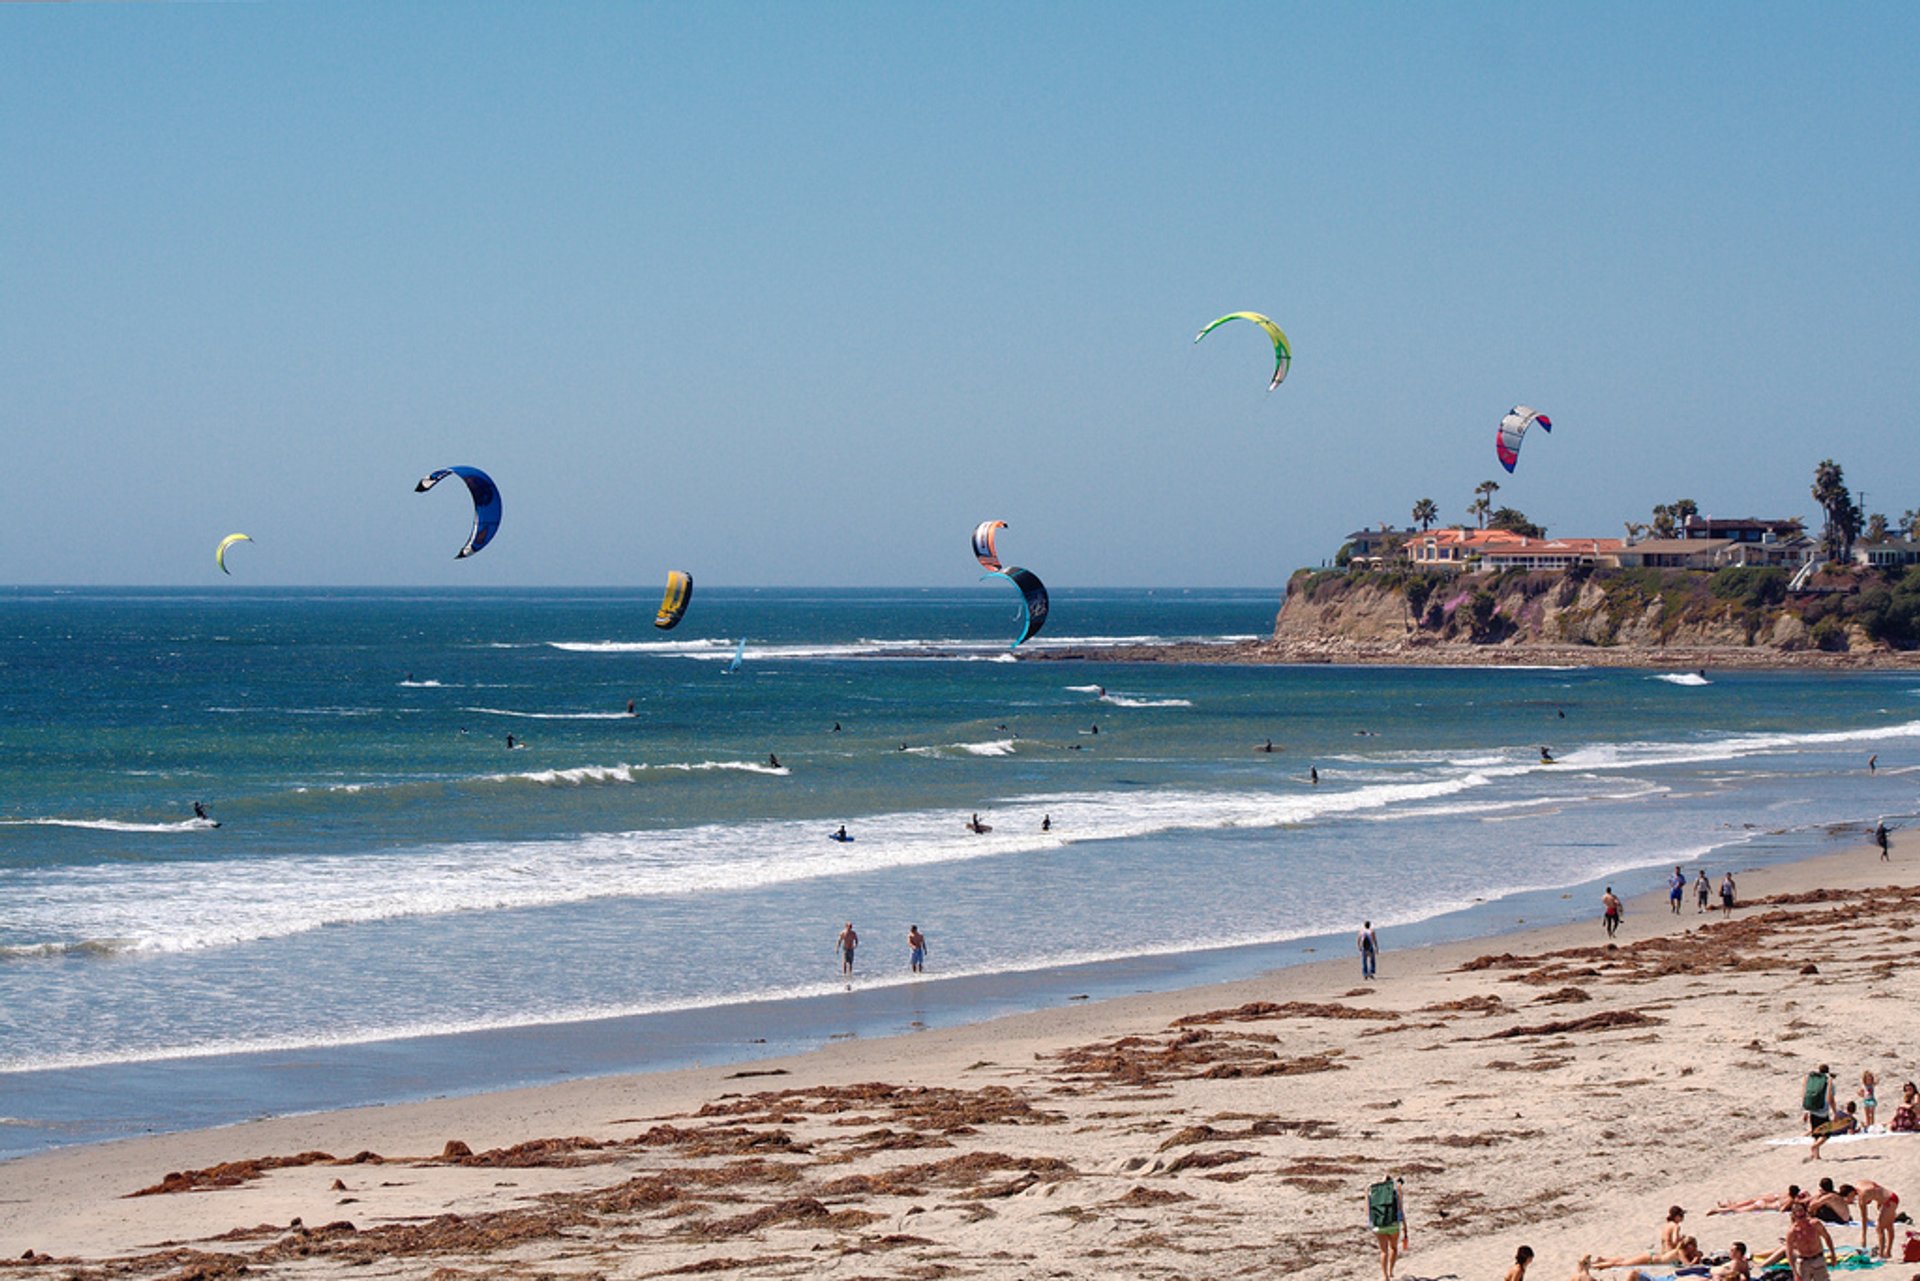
(1808, 1247)
(845, 944)
(1610, 909)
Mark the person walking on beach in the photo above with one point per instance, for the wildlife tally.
(1369, 949)
(1702, 891)
(916, 948)
(1880, 839)
(1676, 889)
(845, 944)
(1816, 1101)
(1726, 895)
(1610, 912)
(1808, 1248)
(1387, 1216)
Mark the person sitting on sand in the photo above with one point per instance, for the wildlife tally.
(1882, 1205)
(1521, 1258)
(1906, 1117)
(1831, 1206)
(1738, 1266)
(1807, 1247)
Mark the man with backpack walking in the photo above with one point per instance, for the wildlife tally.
(1369, 949)
(1816, 1100)
(1387, 1216)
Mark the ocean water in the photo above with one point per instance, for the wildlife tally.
(396, 904)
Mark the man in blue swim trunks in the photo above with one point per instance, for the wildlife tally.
(845, 944)
(917, 942)
(1676, 889)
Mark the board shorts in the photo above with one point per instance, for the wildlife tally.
(919, 955)
(1812, 1267)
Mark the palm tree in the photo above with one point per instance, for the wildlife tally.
(1877, 528)
(1485, 490)
(1426, 512)
(1635, 529)
(1843, 514)
(1910, 522)
(1662, 521)
(1683, 511)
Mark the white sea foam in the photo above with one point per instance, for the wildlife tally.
(952, 649)
(114, 824)
(1681, 678)
(550, 716)
(413, 684)
(1124, 700)
(222, 903)
(998, 747)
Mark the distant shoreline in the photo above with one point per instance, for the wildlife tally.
(1456, 654)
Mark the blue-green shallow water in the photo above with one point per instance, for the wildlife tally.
(397, 905)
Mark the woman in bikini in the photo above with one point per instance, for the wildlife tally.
(1883, 1204)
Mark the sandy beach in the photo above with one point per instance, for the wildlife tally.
(1543, 1088)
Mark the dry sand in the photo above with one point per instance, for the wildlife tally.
(1561, 1096)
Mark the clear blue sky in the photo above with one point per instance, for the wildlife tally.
(797, 293)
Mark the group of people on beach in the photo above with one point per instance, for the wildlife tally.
(1806, 1250)
(850, 939)
(1613, 911)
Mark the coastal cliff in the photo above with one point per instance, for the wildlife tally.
(1604, 615)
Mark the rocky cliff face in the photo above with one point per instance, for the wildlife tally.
(1655, 610)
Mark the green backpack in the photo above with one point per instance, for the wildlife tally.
(1814, 1098)
(1383, 1205)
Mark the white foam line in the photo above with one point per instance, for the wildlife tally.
(550, 716)
(114, 824)
(216, 904)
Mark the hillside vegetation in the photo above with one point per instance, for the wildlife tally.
(1852, 610)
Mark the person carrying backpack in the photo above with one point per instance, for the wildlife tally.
(1387, 1216)
(1816, 1100)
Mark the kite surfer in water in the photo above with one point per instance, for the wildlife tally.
(1546, 757)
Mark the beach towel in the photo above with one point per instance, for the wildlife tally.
(1858, 1136)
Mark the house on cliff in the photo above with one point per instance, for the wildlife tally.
(1747, 529)
(1455, 550)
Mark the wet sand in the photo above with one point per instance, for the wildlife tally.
(1540, 1088)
